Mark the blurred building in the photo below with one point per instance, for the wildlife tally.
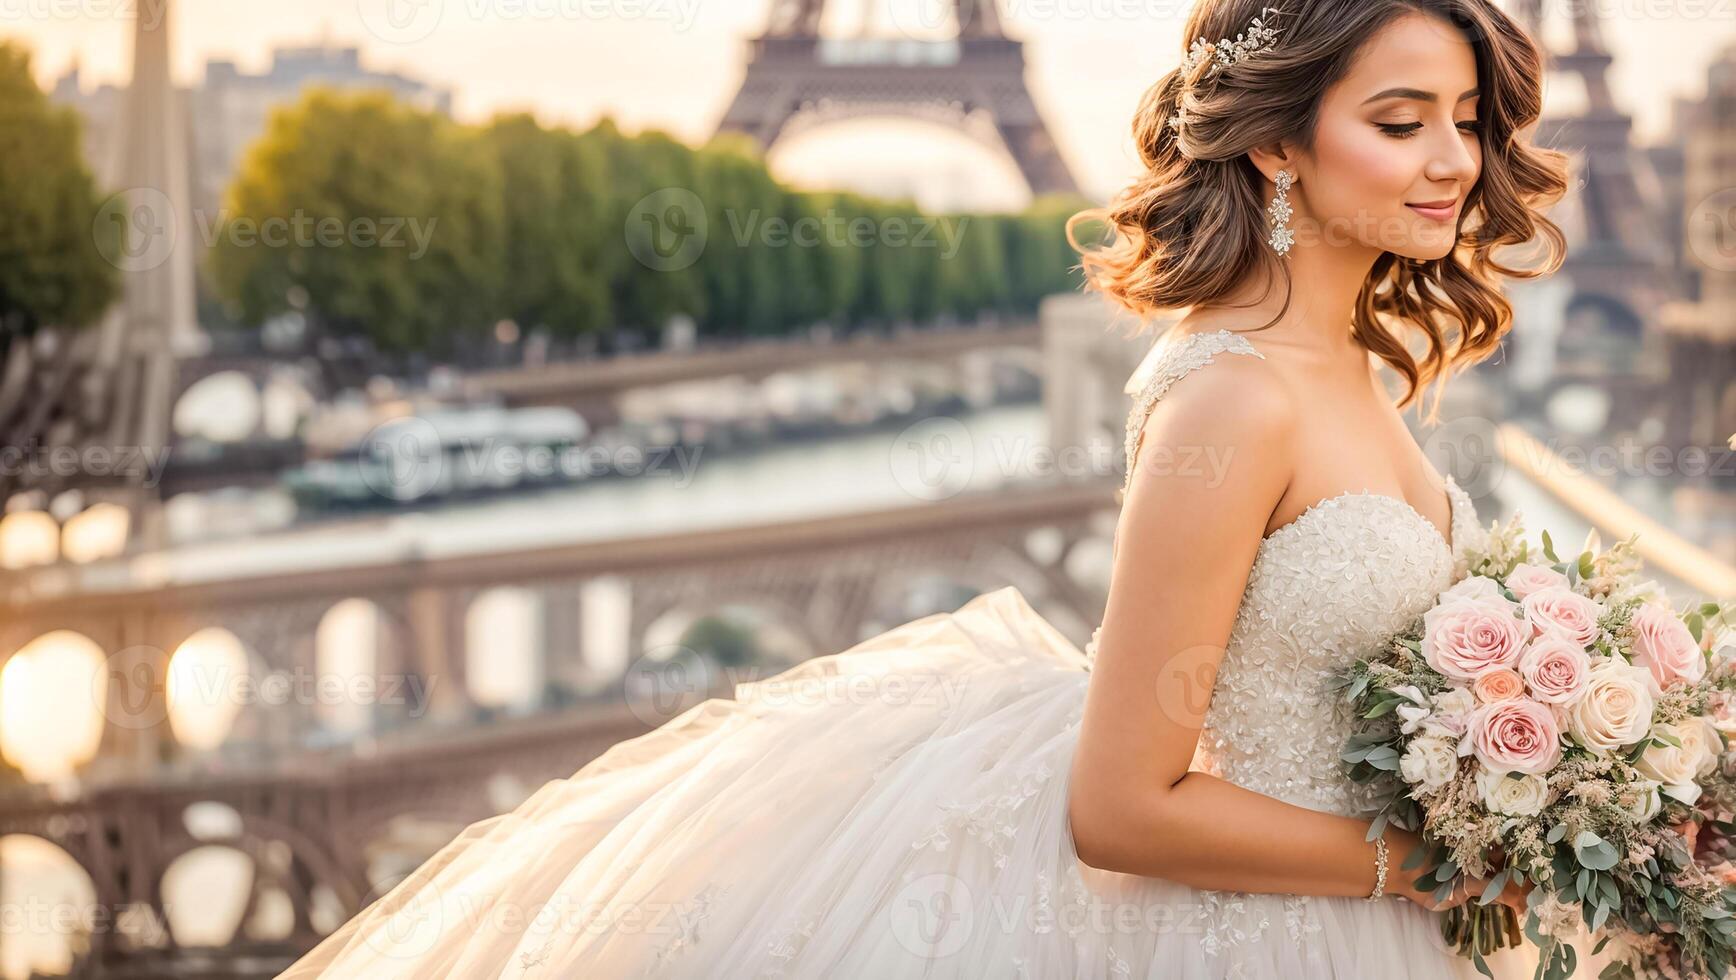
(1702, 329)
(228, 110)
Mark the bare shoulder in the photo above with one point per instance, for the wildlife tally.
(1236, 398)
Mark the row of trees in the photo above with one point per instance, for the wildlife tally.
(379, 221)
(53, 241)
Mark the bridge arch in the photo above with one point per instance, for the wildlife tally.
(47, 887)
(358, 646)
(54, 697)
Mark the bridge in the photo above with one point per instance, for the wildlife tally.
(593, 385)
(307, 818)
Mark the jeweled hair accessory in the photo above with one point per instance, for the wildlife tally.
(1225, 53)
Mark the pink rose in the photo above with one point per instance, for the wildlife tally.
(1515, 735)
(1556, 668)
(1528, 578)
(1561, 610)
(1664, 646)
(1498, 685)
(1464, 638)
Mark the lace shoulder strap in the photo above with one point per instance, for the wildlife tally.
(1182, 358)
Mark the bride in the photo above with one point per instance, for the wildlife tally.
(970, 795)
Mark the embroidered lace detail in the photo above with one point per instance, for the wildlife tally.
(989, 817)
(1190, 352)
(1230, 921)
(1298, 920)
(687, 921)
(1324, 589)
(788, 943)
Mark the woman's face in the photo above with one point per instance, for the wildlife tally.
(1397, 147)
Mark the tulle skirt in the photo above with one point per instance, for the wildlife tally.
(897, 810)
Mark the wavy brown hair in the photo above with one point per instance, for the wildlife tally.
(1193, 225)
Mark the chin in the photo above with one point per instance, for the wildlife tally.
(1424, 247)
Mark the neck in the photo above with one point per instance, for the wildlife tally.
(1325, 282)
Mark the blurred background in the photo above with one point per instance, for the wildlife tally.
(404, 401)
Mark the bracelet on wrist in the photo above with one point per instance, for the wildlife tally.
(1379, 870)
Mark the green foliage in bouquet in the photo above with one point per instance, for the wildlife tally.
(1569, 749)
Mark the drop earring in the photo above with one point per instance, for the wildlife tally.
(1279, 215)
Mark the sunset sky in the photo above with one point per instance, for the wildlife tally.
(674, 64)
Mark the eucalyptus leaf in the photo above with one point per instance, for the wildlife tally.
(1599, 857)
(1494, 890)
(1384, 707)
(1384, 757)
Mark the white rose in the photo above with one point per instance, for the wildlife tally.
(1413, 714)
(1614, 709)
(1714, 747)
(1677, 766)
(1647, 801)
(1475, 587)
(1452, 711)
(1521, 797)
(1429, 763)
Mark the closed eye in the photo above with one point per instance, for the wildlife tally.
(1407, 130)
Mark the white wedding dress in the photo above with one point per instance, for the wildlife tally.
(911, 820)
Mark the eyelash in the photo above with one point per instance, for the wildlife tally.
(1407, 130)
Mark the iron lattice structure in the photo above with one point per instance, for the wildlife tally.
(972, 80)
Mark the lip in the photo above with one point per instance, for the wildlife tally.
(1437, 210)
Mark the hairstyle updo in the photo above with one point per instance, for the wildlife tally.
(1193, 225)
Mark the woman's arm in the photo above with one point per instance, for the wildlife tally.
(1214, 460)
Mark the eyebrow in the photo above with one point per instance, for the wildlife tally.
(1413, 93)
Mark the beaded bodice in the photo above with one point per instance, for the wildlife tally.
(1324, 589)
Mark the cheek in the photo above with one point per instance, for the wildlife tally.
(1374, 168)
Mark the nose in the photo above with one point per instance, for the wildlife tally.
(1453, 160)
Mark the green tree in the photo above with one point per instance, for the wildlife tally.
(653, 178)
(727, 642)
(52, 243)
(754, 254)
(971, 263)
(1039, 261)
(384, 221)
(556, 199)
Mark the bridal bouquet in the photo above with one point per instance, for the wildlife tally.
(1557, 721)
(1710, 832)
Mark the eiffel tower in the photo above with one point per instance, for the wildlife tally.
(1616, 261)
(109, 387)
(974, 81)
